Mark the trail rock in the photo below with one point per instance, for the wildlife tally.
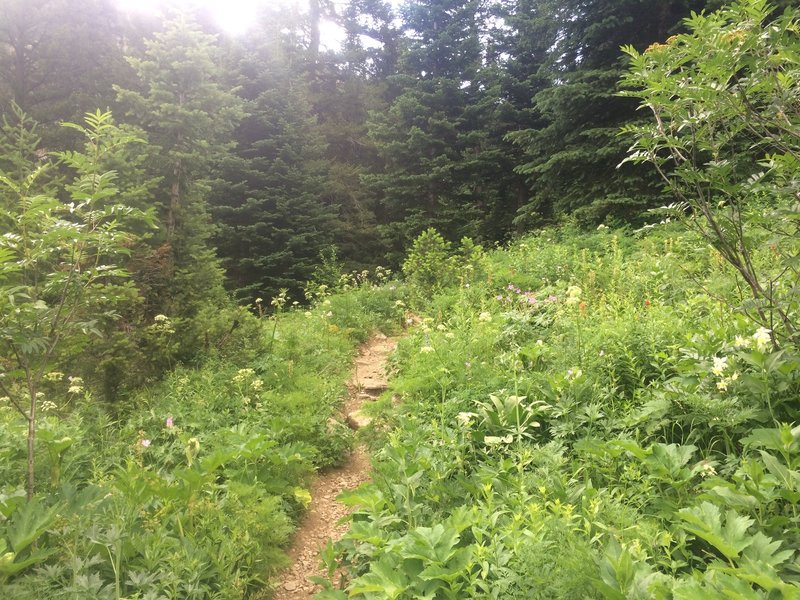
(357, 419)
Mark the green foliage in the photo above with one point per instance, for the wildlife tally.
(724, 139)
(583, 421)
(193, 487)
(56, 271)
(431, 266)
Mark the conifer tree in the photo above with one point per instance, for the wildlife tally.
(572, 152)
(421, 137)
(276, 217)
(189, 116)
(59, 59)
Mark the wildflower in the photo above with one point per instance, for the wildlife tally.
(485, 317)
(450, 335)
(762, 338)
(161, 318)
(465, 418)
(257, 385)
(54, 376)
(426, 349)
(722, 384)
(409, 321)
(75, 385)
(441, 327)
(742, 342)
(720, 365)
(647, 303)
(573, 374)
(399, 303)
(259, 300)
(601, 227)
(499, 297)
(468, 365)
(574, 294)
(540, 342)
(706, 468)
(307, 313)
(169, 423)
(47, 406)
(191, 450)
(145, 443)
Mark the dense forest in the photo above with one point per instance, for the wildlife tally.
(581, 213)
(477, 117)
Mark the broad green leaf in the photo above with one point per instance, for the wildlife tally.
(728, 535)
(384, 577)
(29, 523)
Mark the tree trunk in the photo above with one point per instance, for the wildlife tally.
(174, 201)
(31, 441)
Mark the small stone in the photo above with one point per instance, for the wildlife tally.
(357, 420)
(290, 586)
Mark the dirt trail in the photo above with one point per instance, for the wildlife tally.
(320, 521)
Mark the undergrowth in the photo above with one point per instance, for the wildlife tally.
(590, 417)
(191, 488)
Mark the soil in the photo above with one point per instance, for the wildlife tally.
(321, 521)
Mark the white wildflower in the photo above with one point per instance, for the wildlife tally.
(762, 338)
(720, 365)
(465, 418)
(574, 294)
(573, 374)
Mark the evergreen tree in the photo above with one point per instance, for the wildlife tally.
(189, 116)
(58, 59)
(276, 218)
(421, 136)
(572, 153)
(373, 39)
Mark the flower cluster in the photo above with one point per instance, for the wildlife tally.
(47, 406)
(574, 294)
(516, 294)
(75, 385)
(762, 339)
(162, 324)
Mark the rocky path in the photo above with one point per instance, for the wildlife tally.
(320, 521)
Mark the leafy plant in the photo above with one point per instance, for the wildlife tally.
(56, 268)
(726, 141)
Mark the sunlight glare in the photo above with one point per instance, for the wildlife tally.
(234, 16)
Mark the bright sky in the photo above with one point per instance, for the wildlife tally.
(235, 16)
